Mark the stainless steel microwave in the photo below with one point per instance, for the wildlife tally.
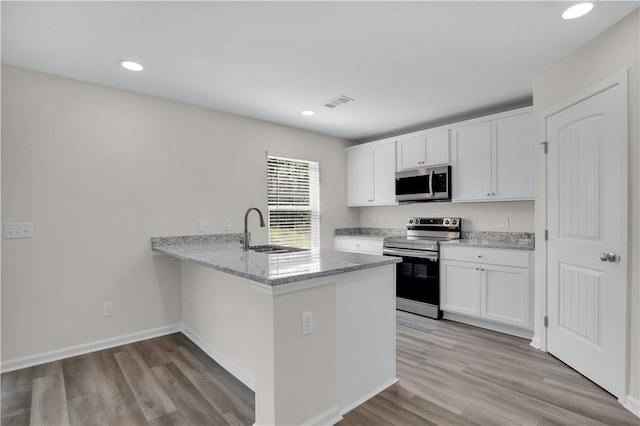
(424, 184)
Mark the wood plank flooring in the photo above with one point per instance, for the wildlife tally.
(450, 374)
(453, 374)
(163, 381)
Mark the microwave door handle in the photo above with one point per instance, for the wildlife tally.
(431, 183)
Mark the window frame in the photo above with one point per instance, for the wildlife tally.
(308, 235)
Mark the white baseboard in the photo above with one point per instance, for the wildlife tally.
(535, 343)
(489, 325)
(631, 405)
(354, 404)
(221, 359)
(58, 354)
(328, 417)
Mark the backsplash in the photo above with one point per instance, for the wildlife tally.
(475, 216)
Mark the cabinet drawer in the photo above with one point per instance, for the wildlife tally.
(516, 258)
(358, 245)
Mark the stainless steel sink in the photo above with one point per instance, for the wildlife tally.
(275, 249)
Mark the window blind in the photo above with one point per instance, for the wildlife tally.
(293, 187)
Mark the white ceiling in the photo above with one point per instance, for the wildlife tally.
(406, 64)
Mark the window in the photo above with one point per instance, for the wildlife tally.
(293, 187)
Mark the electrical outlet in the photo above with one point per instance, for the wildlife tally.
(203, 225)
(227, 225)
(107, 309)
(504, 222)
(18, 230)
(307, 323)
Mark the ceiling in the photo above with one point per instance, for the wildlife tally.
(407, 65)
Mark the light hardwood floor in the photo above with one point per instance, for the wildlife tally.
(453, 374)
(162, 381)
(449, 374)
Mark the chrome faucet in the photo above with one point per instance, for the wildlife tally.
(246, 233)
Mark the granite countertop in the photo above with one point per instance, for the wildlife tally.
(377, 233)
(499, 240)
(486, 239)
(223, 252)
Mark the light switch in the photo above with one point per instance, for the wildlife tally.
(18, 230)
(504, 222)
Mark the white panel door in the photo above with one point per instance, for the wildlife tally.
(587, 219)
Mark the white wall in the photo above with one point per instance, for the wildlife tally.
(611, 52)
(476, 216)
(98, 172)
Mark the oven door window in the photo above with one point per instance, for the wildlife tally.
(417, 279)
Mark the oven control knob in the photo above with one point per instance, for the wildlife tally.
(446, 221)
(410, 220)
(454, 222)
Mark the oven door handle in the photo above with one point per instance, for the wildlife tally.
(413, 253)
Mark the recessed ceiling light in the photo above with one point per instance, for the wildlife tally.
(307, 112)
(577, 10)
(131, 66)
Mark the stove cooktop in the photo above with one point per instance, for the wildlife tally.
(425, 233)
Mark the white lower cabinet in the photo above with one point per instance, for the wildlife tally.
(460, 287)
(492, 285)
(504, 293)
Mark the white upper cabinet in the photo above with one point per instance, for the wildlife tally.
(428, 149)
(492, 160)
(359, 176)
(371, 172)
(471, 167)
(513, 158)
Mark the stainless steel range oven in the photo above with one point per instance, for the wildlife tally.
(418, 276)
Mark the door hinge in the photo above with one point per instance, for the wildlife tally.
(545, 144)
(546, 235)
(546, 321)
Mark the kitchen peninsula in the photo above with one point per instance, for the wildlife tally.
(311, 332)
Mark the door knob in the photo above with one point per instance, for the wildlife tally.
(608, 257)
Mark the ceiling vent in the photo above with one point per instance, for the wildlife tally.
(336, 102)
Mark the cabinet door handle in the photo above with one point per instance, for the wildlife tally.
(477, 269)
(488, 194)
